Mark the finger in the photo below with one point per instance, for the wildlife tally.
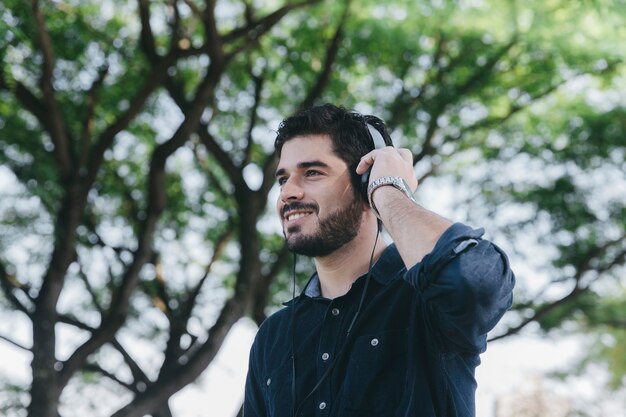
(365, 163)
(406, 155)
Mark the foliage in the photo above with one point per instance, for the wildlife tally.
(140, 134)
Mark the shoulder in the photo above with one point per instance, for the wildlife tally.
(276, 323)
(272, 340)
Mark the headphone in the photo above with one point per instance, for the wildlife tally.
(379, 143)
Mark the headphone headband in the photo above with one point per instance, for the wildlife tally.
(379, 142)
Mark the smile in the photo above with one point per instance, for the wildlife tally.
(295, 216)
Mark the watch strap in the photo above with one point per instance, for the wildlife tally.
(396, 182)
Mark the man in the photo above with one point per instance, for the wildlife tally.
(378, 330)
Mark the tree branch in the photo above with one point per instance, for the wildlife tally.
(154, 80)
(427, 146)
(484, 72)
(223, 159)
(214, 42)
(253, 30)
(194, 9)
(58, 132)
(30, 103)
(258, 88)
(118, 312)
(180, 318)
(9, 283)
(618, 324)
(169, 383)
(269, 174)
(205, 166)
(262, 287)
(404, 102)
(73, 321)
(584, 263)
(14, 343)
(541, 312)
(438, 106)
(93, 367)
(583, 267)
(218, 251)
(146, 37)
(198, 358)
(323, 77)
(138, 374)
(92, 98)
(90, 290)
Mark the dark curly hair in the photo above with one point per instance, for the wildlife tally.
(347, 130)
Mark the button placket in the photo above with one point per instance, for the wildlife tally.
(330, 336)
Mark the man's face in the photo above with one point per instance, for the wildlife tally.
(317, 205)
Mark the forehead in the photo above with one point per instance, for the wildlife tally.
(308, 148)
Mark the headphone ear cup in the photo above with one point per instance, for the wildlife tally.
(365, 180)
(360, 182)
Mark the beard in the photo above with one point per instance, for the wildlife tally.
(334, 231)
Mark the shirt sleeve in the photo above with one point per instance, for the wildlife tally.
(466, 286)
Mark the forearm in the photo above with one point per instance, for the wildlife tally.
(414, 229)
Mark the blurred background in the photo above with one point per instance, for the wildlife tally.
(139, 248)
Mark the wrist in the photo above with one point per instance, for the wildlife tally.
(396, 182)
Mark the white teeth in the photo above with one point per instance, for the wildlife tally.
(295, 216)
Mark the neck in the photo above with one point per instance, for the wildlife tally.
(341, 268)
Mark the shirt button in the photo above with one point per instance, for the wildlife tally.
(335, 311)
(374, 342)
(322, 405)
(269, 381)
(325, 356)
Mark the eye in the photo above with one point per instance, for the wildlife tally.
(313, 173)
(281, 180)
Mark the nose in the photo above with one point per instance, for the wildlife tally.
(291, 191)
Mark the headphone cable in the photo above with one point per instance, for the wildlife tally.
(345, 344)
(293, 343)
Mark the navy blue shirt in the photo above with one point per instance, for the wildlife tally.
(413, 350)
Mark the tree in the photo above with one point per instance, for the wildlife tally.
(141, 134)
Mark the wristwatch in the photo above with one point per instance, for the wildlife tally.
(396, 182)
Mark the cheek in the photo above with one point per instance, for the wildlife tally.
(330, 206)
(346, 193)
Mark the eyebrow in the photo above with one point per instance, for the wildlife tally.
(304, 165)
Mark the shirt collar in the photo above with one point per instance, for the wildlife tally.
(384, 271)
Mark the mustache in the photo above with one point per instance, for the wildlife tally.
(297, 205)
